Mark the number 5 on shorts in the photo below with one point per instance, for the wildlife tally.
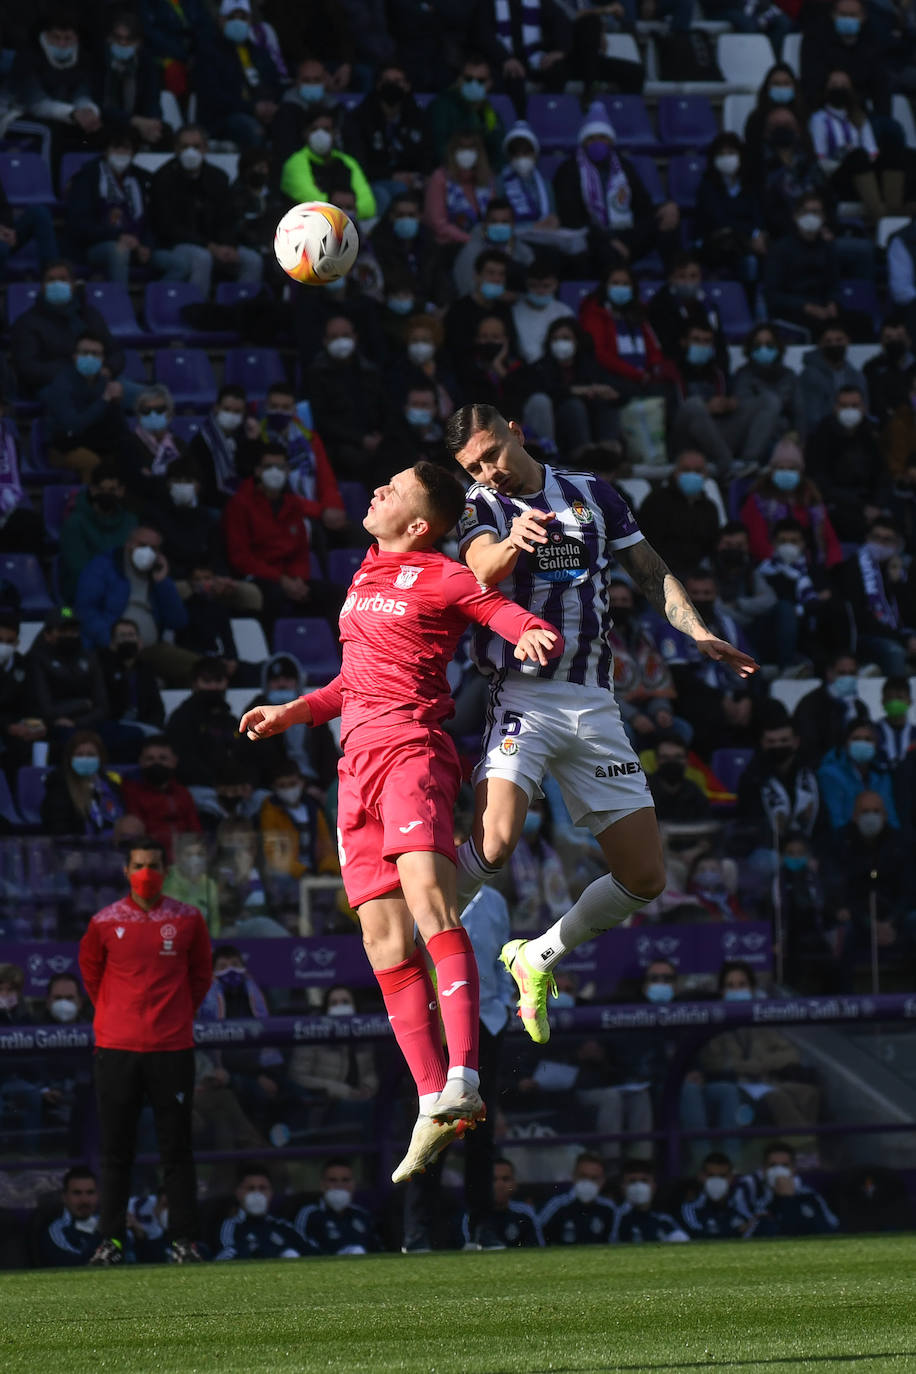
(512, 723)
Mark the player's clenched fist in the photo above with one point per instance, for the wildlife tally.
(536, 645)
(526, 531)
(263, 721)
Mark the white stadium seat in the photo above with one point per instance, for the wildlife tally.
(744, 59)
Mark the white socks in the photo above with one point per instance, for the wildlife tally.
(427, 1102)
(470, 1077)
(603, 904)
(473, 872)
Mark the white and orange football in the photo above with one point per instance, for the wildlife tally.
(316, 243)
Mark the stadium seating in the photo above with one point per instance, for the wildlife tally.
(19, 297)
(188, 375)
(650, 177)
(343, 563)
(728, 765)
(573, 293)
(685, 171)
(355, 499)
(8, 810)
(70, 164)
(730, 300)
(631, 122)
(56, 504)
(184, 427)
(312, 643)
(744, 59)
(255, 369)
(163, 302)
(249, 639)
(26, 179)
(686, 121)
(555, 119)
(114, 305)
(30, 791)
(24, 571)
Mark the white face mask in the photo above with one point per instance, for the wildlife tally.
(8, 1001)
(563, 349)
(119, 162)
(88, 1224)
(338, 1199)
(715, 1187)
(870, 824)
(6, 653)
(727, 164)
(420, 351)
(274, 479)
(321, 142)
(143, 558)
(229, 420)
(342, 347)
(290, 796)
(775, 1173)
(64, 1009)
(190, 159)
(466, 158)
(586, 1190)
(341, 1009)
(183, 494)
(638, 1193)
(849, 416)
(255, 1204)
(523, 166)
(787, 552)
(809, 224)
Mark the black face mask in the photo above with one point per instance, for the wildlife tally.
(779, 755)
(894, 350)
(391, 92)
(257, 183)
(840, 97)
(488, 351)
(670, 771)
(622, 615)
(732, 559)
(157, 774)
(69, 646)
(106, 502)
(783, 138)
(213, 696)
(127, 649)
(834, 353)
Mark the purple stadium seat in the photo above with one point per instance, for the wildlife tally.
(737, 495)
(161, 305)
(686, 121)
(114, 305)
(631, 122)
(424, 98)
(503, 106)
(555, 119)
(185, 427)
(20, 295)
(731, 302)
(343, 563)
(188, 375)
(350, 99)
(24, 571)
(312, 643)
(56, 505)
(26, 179)
(30, 791)
(549, 162)
(573, 293)
(647, 288)
(231, 292)
(135, 367)
(856, 294)
(23, 264)
(70, 163)
(255, 369)
(684, 173)
(355, 499)
(650, 177)
(8, 810)
(729, 764)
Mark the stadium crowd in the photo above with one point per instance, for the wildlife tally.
(715, 312)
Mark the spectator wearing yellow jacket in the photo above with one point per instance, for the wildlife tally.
(295, 834)
(318, 169)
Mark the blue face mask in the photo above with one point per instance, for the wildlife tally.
(279, 696)
(737, 995)
(690, 483)
(56, 54)
(419, 415)
(765, 355)
(786, 479)
(311, 92)
(85, 765)
(794, 863)
(698, 355)
(620, 295)
(539, 301)
(861, 750)
(58, 292)
(498, 233)
(532, 824)
(492, 290)
(659, 992)
(122, 52)
(400, 305)
(844, 686)
(473, 90)
(406, 227)
(155, 421)
(847, 25)
(237, 30)
(88, 365)
(782, 95)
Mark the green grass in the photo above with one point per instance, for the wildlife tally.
(761, 1308)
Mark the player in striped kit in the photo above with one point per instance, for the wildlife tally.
(548, 539)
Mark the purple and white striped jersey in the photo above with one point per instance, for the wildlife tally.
(566, 581)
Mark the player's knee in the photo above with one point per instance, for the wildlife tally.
(497, 850)
(645, 879)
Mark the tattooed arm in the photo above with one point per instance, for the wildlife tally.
(665, 593)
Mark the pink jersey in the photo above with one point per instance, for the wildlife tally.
(399, 628)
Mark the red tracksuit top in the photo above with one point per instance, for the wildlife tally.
(146, 973)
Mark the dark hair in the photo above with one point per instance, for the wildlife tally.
(488, 256)
(636, 1166)
(687, 258)
(466, 422)
(589, 1157)
(284, 768)
(781, 1147)
(882, 522)
(157, 742)
(336, 1162)
(55, 263)
(64, 977)
(733, 527)
(896, 684)
(248, 1167)
(10, 619)
(735, 966)
(282, 387)
(209, 668)
(787, 526)
(226, 952)
(724, 140)
(759, 328)
(716, 1157)
(144, 842)
(272, 448)
(231, 389)
(507, 1163)
(89, 336)
(499, 203)
(400, 200)
(445, 497)
(78, 1171)
(121, 136)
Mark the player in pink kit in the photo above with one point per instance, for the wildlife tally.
(399, 776)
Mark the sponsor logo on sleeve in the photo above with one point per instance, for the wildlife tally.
(468, 518)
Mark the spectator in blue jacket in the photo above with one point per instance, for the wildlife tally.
(43, 337)
(851, 769)
(253, 1232)
(134, 581)
(71, 1238)
(107, 210)
(84, 411)
(712, 1214)
(335, 1225)
(237, 84)
(637, 1218)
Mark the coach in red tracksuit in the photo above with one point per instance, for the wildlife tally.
(146, 965)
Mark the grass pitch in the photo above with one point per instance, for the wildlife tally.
(844, 1305)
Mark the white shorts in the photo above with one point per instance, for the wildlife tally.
(573, 733)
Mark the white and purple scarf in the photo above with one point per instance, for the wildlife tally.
(12, 494)
(527, 196)
(610, 206)
(883, 607)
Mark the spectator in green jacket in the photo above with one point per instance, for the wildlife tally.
(319, 168)
(464, 108)
(98, 523)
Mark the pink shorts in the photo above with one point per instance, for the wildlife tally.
(396, 796)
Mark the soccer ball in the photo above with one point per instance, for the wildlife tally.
(316, 243)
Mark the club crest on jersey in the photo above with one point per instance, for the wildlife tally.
(508, 747)
(407, 576)
(581, 512)
(167, 934)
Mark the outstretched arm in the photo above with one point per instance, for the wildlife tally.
(317, 708)
(665, 593)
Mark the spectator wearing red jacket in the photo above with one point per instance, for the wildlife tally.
(146, 965)
(163, 804)
(625, 342)
(267, 539)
